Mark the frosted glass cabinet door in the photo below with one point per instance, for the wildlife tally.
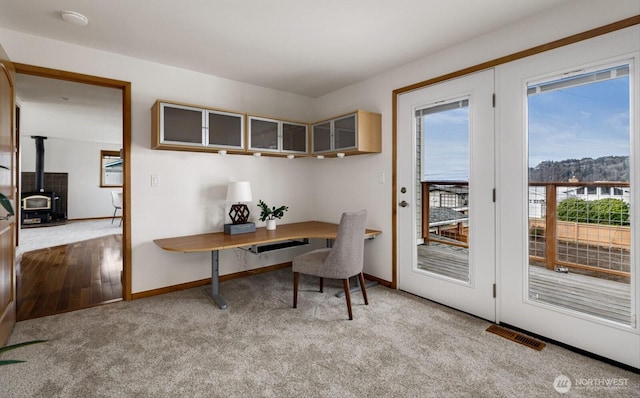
(294, 137)
(322, 137)
(344, 133)
(225, 130)
(181, 125)
(263, 134)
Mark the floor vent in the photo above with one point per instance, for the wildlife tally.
(517, 337)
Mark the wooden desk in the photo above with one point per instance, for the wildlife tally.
(214, 242)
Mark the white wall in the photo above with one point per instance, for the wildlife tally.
(192, 185)
(81, 160)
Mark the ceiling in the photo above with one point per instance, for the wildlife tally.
(307, 47)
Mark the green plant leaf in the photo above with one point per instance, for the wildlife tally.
(26, 343)
(6, 203)
(13, 347)
(10, 361)
(267, 213)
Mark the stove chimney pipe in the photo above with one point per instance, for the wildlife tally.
(39, 162)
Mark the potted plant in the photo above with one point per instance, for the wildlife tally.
(270, 214)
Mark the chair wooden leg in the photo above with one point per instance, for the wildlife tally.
(364, 289)
(296, 276)
(114, 215)
(321, 285)
(348, 297)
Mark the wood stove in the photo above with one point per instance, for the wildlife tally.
(38, 207)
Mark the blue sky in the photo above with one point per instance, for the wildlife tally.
(446, 145)
(590, 120)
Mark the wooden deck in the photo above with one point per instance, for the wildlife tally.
(444, 260)
(595, 296)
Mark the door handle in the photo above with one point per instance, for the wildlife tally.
(403, 203)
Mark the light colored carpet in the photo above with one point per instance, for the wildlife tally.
(181, 345)
(73, 231)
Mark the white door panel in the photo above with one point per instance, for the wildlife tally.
(471, 290)
(517, 304)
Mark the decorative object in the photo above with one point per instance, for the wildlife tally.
(238, 192)
(269, 214)
(14, 346)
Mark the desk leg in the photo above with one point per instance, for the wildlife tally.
(214, 290)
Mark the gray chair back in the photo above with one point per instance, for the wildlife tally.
(347, 254)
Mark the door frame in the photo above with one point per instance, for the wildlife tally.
(125, 87)
(622, 24)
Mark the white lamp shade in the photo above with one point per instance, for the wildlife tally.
(239, 191)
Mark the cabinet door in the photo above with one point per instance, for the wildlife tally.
(321, 137)
(225, 130)
(263, 134)
(181, 125)
(294, 137)
(344, 132)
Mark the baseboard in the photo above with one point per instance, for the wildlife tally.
(227, 277)
(381, 281)
(207, 281)
(92, 218)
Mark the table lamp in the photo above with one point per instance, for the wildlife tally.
(238, 192)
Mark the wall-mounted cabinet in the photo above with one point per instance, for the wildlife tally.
(275, 136)
(190, 128)
(185, 127)
(351, 134)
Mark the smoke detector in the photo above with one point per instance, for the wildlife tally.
(75, 18)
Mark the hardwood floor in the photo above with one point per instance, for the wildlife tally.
(69, 277)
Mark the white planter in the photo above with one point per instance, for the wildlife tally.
(271, 225)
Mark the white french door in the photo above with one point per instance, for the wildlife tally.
(567, 272)
(445, 182)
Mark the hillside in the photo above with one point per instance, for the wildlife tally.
(608, 168)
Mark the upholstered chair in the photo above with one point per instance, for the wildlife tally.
(343, 260)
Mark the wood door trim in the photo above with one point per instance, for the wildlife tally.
(126, 142)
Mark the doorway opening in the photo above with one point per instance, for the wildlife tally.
(121, 246)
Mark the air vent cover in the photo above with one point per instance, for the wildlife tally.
(517, 337)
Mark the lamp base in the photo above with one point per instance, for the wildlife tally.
(233, 229)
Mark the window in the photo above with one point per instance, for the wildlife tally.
(110, 169)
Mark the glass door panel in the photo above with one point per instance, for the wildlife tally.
(344, 134)
(225, 130)
(181, 125)
(443, 137)
(322, 137)
(263, 134)
(579, 200)
(294, 137)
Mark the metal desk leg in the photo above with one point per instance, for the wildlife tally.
(214, 290)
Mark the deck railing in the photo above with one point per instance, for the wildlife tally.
(573, 240)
